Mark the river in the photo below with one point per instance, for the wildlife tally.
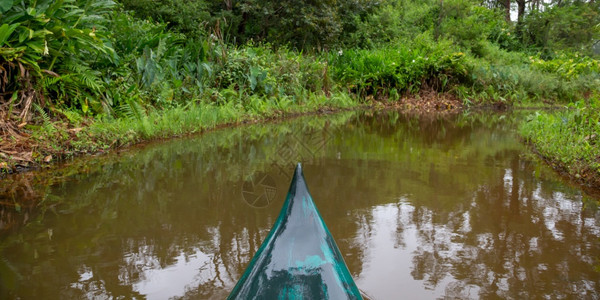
(421, 207)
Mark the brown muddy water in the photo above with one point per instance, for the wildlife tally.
(421, 208)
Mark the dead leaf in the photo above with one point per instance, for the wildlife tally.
(24, 156)
(50, 73)
(22, 125)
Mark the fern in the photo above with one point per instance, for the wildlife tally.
(160, 49)
(42, 113)
(84, 76)
(132, 110)
(48, 82)
(91, 80)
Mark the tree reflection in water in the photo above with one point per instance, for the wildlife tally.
(515, 238)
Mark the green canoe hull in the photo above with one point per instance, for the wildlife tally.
(299, 258)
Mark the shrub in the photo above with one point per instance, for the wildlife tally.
(49, 50)
(189, 17)
(567, 66)
(260, 70)
(402, 68)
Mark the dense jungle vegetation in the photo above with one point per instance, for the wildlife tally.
(84, 76)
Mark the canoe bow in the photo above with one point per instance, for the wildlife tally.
(299, 258)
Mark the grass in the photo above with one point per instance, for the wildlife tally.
(569, 140)
(105, 133)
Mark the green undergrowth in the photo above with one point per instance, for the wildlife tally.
(489, 76)
(514, 78)
(104, 133)
(391, 71)
(569, 139)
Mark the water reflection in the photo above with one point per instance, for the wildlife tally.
(428, 207)
(476, 253)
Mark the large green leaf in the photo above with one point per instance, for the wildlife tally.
(5, 5)
(5, 31)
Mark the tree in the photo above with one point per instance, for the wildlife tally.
(189, 16)
(506, 4)
(302, 24)
(565, 25)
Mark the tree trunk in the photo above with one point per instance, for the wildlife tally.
(521, 10)
(506, 5)
(520, 14)
(436, 31)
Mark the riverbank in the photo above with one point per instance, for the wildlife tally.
(36, 146)
(33, 146)
(568, 140)
(558, 137)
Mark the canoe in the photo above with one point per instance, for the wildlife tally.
(299, 258)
